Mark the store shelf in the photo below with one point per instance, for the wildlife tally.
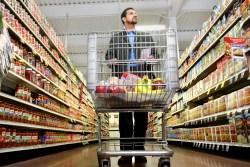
(211, 143)
(92, 140)
(88, 131)
(32, 126)
(44, 32)
(34, 34)
(178, 99)
(31, 47)
(207, 70)
(176, 112)
(244, 22)
(174, 126)
(92, 123)
(169, 117)
(77, 97)
(13, 78)
(51, 42)
(209, 118)
(212, 45)
(12, 98)
(227, 8)
(33, 68)
(232, 80)
(247, 50)
(72, 81)
(13, 149)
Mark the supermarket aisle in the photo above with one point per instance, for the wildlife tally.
(86, 157)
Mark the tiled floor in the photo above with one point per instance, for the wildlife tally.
(86, 157)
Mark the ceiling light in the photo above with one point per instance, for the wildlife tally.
(150, 27)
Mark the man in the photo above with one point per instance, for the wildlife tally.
(128, 45)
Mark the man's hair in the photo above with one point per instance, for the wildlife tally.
(124, 13)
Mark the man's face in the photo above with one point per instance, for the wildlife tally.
(131, 17)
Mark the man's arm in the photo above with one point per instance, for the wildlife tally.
(110, 54)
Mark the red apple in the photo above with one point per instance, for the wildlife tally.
(101, 89)
(113, 89)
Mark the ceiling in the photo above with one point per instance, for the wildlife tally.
(74, 19)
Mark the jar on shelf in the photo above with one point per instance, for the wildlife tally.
(25, 93)
(38, 64)
(33, 77)
(2, 136)
(38, 80)
(19, 91)
(1, 109)
(22, 68)
(28, 74)
(47, 86)
(31, 59)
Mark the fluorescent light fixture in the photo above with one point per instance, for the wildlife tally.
(150, 27)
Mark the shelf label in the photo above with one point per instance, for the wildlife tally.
(194, 145)
(210, 146)
(222, 148)
(13, 56)
(208, 92)
(218, 147)
(22, 41)
(231, 81)
(223, 83)
(205, 146)
(215, 118)
(199, 145)
(213, 146)
(216, 86)
(34, 52)
(227, 148)
(46, 64)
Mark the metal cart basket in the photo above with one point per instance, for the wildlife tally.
(138, 77)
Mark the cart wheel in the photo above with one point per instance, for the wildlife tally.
(164, 162)
(104, 162)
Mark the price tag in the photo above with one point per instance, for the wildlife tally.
(217, 86)
(13, 56)
(201, 121)
(236, 78)
(196, 122)
(205, 146)
(211, 118)
(222, 148)
(199, 145)
(46, 64)
(218, 147)
(22, 41)
(208, 92)
(208, 119)
(215, 118)
(241, 75)
(194, 144)
(227, 148)
(6, 25)
(210, 146)
(213, 146)
(34, 52)
(223, 83)
(231, 81)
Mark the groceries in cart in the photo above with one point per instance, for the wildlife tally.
(131, 83)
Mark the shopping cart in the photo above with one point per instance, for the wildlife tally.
(137, 84)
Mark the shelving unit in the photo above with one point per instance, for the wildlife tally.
(70, 116)
(198, 113)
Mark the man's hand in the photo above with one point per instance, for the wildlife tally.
(150, 57)
(112, 61)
